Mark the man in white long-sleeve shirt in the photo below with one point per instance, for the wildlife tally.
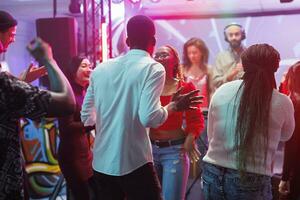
(123, 100)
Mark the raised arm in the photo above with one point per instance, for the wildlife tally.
(62, 98)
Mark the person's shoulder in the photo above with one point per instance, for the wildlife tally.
(4, 76)
(210, 69)
(229, 88)
(148, 60)
(106, 64)
(151, 69)
(230, 85)
(226, 92)
(281, 102)
(280, 95)
(224, 53)
(151, 64)
(157, 65)
(281, 98)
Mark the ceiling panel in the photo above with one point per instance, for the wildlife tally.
(31, 9)
(214, 7)
(164, 8)
(275, 5)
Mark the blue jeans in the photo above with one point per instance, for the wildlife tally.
(221, 183)
(202, 141)
(172, 166)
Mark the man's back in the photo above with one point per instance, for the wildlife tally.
(124, 91)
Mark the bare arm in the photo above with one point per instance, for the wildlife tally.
(62, 97)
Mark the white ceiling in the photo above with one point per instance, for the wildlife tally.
(215, 7)
(44, 8)
(31, 9)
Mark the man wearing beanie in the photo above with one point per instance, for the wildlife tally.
(8, 27)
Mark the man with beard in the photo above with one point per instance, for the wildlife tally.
(228, 66)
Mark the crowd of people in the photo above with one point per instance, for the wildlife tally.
(153, 116)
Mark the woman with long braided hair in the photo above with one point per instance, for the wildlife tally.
(246, 121)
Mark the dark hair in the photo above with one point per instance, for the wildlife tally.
(71, 71)
(293, 79)
(293, 82)
(140, 31)
(260, 62)
(198, 43)
(6, 21)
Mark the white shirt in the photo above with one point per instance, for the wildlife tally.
(122, 99)
(221, 128)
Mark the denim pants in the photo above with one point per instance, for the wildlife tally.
(221, 183)
(202, 141)
(172, 166)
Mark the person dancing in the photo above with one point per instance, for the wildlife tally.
(174, 147)
(74, 153)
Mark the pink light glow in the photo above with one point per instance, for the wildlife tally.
(135, 1)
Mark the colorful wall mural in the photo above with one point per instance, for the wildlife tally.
(40, 141)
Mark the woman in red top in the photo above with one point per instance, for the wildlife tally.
(174, 146)
(74, 154)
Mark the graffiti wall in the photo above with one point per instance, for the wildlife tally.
(39, 146)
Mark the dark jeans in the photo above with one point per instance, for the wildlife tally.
(221, 183)
(141, 184)
(202, 141)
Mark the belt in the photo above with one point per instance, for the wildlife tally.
(167, 143)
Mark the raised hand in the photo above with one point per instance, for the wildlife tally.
(40, 50)
(186, 101)
(32, 73)
(234, 71)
